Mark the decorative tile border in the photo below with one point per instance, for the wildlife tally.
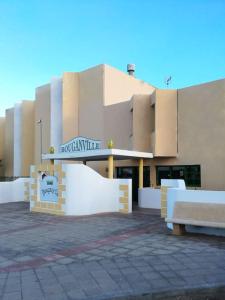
(164, 201)
(45, 206)
(124, 198)
(26, 191)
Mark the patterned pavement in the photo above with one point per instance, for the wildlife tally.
(108, 256)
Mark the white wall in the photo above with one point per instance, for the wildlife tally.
(12, 191)
(17, 147)
(149, 198)
(56, 113)
(174, 183)
(176, 194)
(87, 192)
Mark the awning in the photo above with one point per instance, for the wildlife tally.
(98, 155)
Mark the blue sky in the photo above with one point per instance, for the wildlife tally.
(40, 39)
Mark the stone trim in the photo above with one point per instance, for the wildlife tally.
(124, 198)
(44, 206)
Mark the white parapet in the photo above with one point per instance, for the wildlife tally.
(198, 196)
(149, 198)
(87, 192)
(200, 210)
(13, 191)
(76, 189)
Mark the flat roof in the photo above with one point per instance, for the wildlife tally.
(97, 155)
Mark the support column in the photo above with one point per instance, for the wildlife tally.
(141, 173)
(110, 167)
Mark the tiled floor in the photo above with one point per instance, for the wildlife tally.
(104, 257)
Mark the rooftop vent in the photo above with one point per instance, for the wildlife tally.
(131, 69)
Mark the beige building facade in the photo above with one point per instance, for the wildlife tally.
(2, 141)
(184, 128)
(17, 140)
(8, 158)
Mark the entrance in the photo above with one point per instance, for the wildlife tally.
(132, 173)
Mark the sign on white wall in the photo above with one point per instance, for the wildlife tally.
(48, 188)
(80, 144)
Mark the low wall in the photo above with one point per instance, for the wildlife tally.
(149, 198)
(152, 198)
(174, 195)
(87, 192)
(173, 183)
(76, 189)
(178, 195)
(14, 191)
(165, 185)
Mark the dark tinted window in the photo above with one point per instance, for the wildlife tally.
(190, 174)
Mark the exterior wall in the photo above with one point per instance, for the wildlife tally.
(119, 86)
(13, 191)
(2, 142)
(141, 133)
(56, 123)
(102, 88)
(164, 138)
(91, 100)
(27, 137)
(201, 133)
(9, 142)
(2, 127)
(105, 103)
(91, 109)
(23, 140)
(42, 112)
(118, 124)
(201, 130)
(70, 110)
(17, 143)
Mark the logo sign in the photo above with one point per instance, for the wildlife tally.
(48, 188)
(80, 144)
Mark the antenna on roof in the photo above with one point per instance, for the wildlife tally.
(168, 80)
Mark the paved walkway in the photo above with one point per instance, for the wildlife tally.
(104, 257)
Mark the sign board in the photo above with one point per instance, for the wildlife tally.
(80, 144)
(48, 188)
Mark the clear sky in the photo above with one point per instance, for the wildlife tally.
(40, 39)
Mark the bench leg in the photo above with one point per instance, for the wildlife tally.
(178, 229)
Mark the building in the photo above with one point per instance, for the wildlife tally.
(17, 136)
(2, 138)
(183, 128)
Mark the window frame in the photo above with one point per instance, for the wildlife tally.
(187, 174)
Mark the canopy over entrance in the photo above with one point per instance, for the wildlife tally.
(101, 155)
(97, 155)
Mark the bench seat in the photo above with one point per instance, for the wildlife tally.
(207, 214)
(196, 223)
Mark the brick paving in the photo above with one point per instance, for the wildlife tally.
(108, 256)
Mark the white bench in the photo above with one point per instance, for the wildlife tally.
(197, 214)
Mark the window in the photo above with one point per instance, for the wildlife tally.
(191, 174)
